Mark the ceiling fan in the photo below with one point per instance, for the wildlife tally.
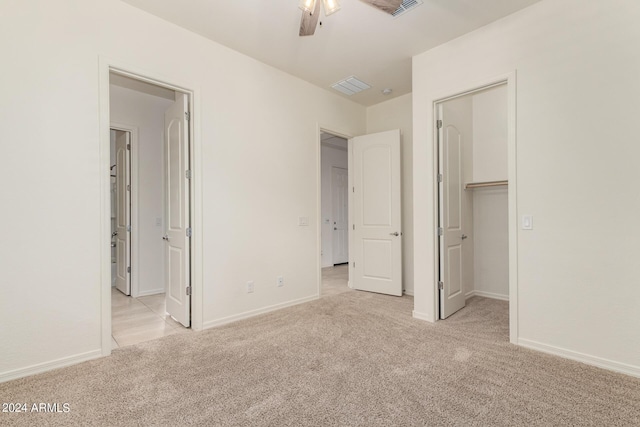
(311, 11)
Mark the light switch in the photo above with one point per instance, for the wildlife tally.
(527, 222)
(158, 222)
(303, 221)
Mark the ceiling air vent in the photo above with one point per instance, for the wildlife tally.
(406, 6)
(350, 85)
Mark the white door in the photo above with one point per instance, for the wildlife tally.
(340, 214)
(177, 247)
(123, 213)
(376, 249)
(452, 297)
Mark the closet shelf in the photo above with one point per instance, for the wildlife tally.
(472, 185)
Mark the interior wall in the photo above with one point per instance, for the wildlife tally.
(256, 128)
(490, 205)
(577, 292)
(396, 113)
(331, 157)
(490, 134)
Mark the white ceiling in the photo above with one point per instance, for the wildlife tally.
(357, 40)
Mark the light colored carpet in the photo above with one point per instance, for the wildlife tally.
(353, 359)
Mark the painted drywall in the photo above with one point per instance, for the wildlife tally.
(331, 157)
(257, 131)
(458, 113)
(397, 114)
(490, 134)
(490, 205)
(146, 113)
(491, 242)
(578, 292)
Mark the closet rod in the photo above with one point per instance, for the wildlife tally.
(485, 184)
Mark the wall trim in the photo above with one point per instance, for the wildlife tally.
(422, 316)
(151, 292)
(49, 366)
(484, 294)
(253, 313)
(600, 362)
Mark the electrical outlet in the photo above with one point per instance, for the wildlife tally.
(250, 287)
(280, 281)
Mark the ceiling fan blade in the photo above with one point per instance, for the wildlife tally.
(388, 6)
(309, 21)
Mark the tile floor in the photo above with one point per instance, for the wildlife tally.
(334, 280)
(134, 320)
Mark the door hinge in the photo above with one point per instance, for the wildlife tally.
(128, 146)
(440, 285)
(128, 187)
(354, 226)
(189, 232)
(354, 264)
(188, 290)
(188, 173)
(439, 177)
(353, 189)
(439, 124)
(128, 269)
(440, 231)
(129, 228)
(187, 116)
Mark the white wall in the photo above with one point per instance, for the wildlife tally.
(491, 242)
(396, 114)
(490, 205)
(490, 134)
(257, 131)
(577, 99)
(146, 113)
(331, 157)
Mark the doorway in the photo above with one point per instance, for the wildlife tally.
(152, 155)
(473, 197)
(334, 213)
(373, 209)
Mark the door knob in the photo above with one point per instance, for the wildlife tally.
(335, 228)
(464, 236)
(165, 237)
(394, 234)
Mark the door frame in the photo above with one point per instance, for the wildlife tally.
(319, 130)
(135, 240)
(509, 80)
(107, 66)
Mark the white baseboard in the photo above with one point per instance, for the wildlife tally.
(600, 362)
(247, 314)
(150, 292)
(49, 366)
(422, 316)
(486, 295)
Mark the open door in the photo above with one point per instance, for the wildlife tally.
(452, 297)
(376, 252)
(123, 213)
(177, 218)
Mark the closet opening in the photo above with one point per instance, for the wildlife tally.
(473, 197)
